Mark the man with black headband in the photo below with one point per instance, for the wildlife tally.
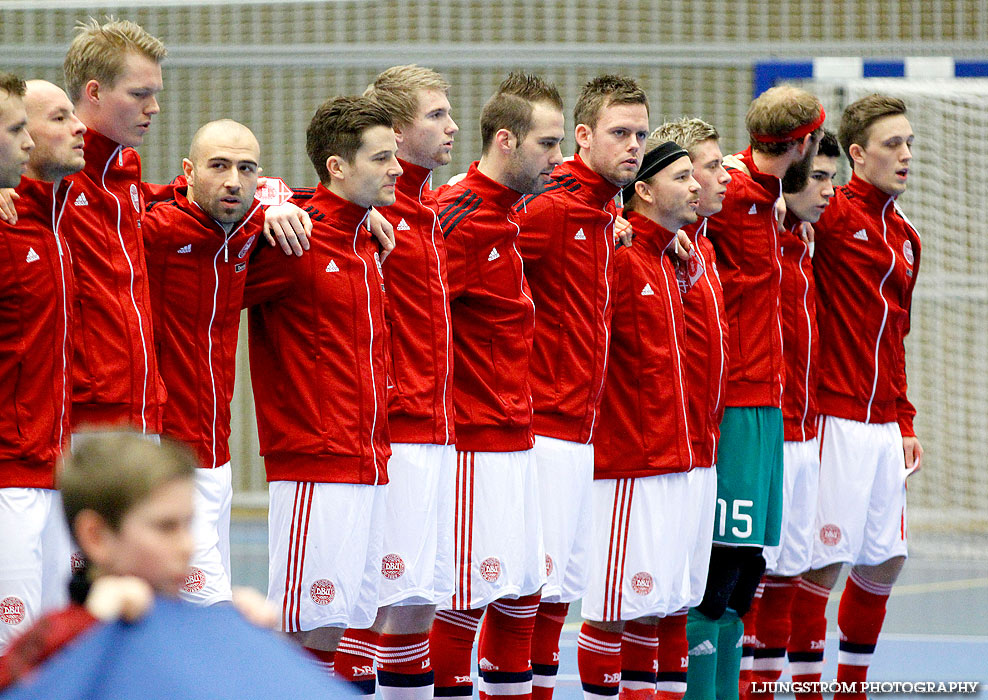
(639, 562)
(784, 125)
(567, 242)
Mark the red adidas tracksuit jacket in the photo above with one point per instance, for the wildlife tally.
(567, 241)
(493, 316)
(706, 351)
(317, 352)
(644, 428)
(799, 333)
(196, 273)
(744, 236)
(36, 301)
(115, 370)
(417, 309)
(865, 266)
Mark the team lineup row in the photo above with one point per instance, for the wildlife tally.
(494, 398)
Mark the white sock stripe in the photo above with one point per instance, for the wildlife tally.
(450, 615)
(520, 688)
(671, 686)
(539, 681)
(805, 668)
(849, 658)
(814, 588)
(651, 642)
(472, 626)
(747, 663)
(356, 648)
(521, 611)
(775, 584)
(424, 644)
(636, 685)
(403, 657)
(769, 664)
(760, 590)
(870, 586)
(591, 644)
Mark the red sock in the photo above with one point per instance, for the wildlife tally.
(809, 634)
(639, 659)
(773, 628)
(860, 618)
(355, 660)
(545, 648)
(404, 671)
(673, 657)
(451, 640)
(749, 642)
(504, 652)
(324, 659)
(598, 655)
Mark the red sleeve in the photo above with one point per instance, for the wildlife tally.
(904, 408)
(47, 636)
(456, 263)
(269, 275)
(158, 193)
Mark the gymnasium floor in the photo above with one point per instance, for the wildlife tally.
(936, 628)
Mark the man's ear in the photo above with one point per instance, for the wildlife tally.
(582, 135)
(91, 91)
(505, 140)
(187, 170)
(856, 151)
(399, 135)
(335, 167)
(643, 192)
(94, 536)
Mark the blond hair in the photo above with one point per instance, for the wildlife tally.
(98, 52)
(397, 90)
(687, 132)
(112, 471)
(778, 111)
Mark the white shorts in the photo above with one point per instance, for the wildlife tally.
(324, 553)
(209, 575)
(498, 528)
(417, 567)
(639, 555)
(699, 528)
(566, 498)
(35, 556)
(861, 507)
(801, 476)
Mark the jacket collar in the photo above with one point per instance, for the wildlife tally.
(98, 149)
(653, 236)
(414, 179)
(769, 182)
(870, 194)
(490, 191)
(341, 213)
(600, 190)
(187, 205)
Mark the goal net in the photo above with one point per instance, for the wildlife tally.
(947, 349)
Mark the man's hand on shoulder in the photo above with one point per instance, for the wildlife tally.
(288, 226)
(8, 212)
(382, 230)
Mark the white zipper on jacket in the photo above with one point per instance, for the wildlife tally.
(521, 286)
(442, 283)
(603, 322)
(885, 313)
(809, 339)
(212, 317)
(778, 305)
(133, 300)
(702, 231)
(679, 363)
(370, 346)
(56, 221)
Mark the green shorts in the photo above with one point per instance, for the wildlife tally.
(749, 477)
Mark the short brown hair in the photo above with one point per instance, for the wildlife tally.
(855, 123)
(337, 129)
(98, 52)
(603, 91)
(397, 90)
(653, 141)
(112, 471)
(512, 105)
(778, 111)
(687, 132)
(13, 85)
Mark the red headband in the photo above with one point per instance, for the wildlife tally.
(797, 133)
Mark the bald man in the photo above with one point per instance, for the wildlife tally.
(197, 247)
(36, 304)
